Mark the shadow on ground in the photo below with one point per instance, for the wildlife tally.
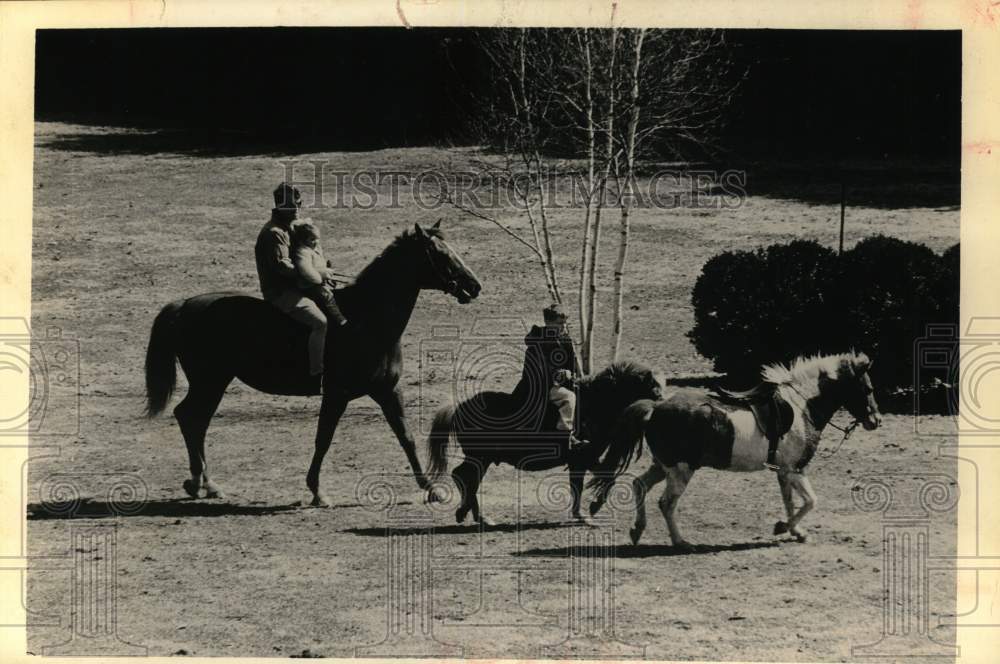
(705, 382)
(641, 550)
(885, 186)
(897, 185)
(201, 143)
(456, 529)
(99, 509)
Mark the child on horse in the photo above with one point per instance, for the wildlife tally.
(314, 277)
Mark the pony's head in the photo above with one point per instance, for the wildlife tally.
(624, 381)
(642, 381)
(859, 394)
(444, 269)
(843, 378)
(606, 394)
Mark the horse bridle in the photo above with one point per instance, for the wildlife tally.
(450, 286)
(847, 431)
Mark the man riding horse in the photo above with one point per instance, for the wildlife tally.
(208, 336)
(278, 275)
(550, 367)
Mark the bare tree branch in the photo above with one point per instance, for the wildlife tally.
(446, 197)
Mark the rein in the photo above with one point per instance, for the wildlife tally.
(847, 431)
(847, 434)
(346, 277)
(450, 284)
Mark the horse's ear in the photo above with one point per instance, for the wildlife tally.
(861, 363)
(659, 376)
(437, 225)
(418, 230)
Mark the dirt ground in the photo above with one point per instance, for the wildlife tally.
(124, 224)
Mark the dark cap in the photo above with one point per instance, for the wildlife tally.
(287, 197)
(554, 314)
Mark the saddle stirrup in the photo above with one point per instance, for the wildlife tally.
(774, 439)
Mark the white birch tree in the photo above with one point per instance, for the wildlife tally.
(610, 99)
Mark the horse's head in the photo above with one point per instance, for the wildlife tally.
(859, 395)
(445, 270)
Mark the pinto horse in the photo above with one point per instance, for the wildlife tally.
(221, 336)
(694, 428)
(497, 427)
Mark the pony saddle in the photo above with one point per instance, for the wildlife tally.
(773, 414)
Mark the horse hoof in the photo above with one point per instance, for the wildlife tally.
(191, 488)
(801, 538)
(460, 516)
(595, 507)
(780, 528)
(635, 534)
(212, 491)
(320, 501)
(684, 546)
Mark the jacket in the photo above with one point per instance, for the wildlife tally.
(272, 252)
(546, 353)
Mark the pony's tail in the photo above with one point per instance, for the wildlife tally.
(161, 369)
(442, 429)
(626, 445)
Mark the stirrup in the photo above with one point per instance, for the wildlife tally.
(772, 466)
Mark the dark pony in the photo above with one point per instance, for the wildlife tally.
(498, 427)
(221, 336)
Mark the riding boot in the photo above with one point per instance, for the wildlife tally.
(575, 444)
(577, 451)
(772, 452)
(773, 427)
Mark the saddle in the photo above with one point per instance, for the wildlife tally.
(773, 414)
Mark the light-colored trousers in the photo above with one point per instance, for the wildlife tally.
(564, 399)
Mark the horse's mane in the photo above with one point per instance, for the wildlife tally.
(804, 370)
(807, 368)
(357, 297)
(401, 242)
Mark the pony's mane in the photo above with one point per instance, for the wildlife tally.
(805, 371)
(615, 373)
(808, 368)
(607, 393)
(400, 242)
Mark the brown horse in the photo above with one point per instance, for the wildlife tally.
(693, 428)
(221, 336)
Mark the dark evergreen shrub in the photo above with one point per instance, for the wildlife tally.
(753, 307)
(773, 304)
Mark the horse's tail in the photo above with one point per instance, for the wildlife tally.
(625, 446)
(442, 429)
(161, 368)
